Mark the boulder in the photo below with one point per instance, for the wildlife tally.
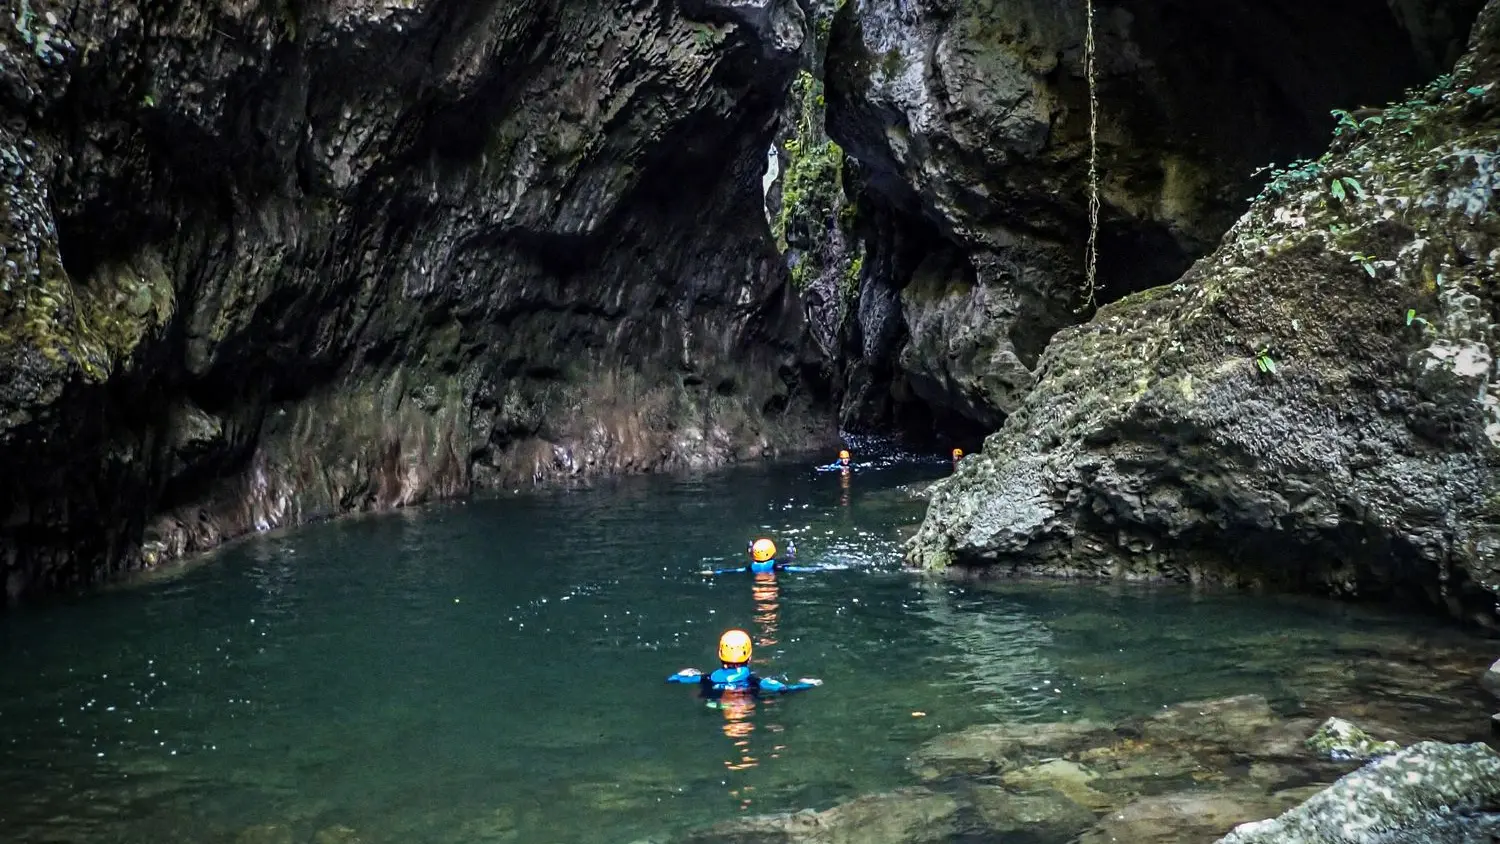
(1341, 741)
(1431, 792)
(1310, 407)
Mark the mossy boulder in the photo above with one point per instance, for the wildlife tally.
(1342, 741)
(972, 125)
(1310, 407)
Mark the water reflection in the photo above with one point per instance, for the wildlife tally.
(844, 487)
(767, 595)
(999, 650)
(739, 709)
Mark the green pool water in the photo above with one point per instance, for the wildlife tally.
(493, 671)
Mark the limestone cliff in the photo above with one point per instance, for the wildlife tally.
(270, 260)
(969, 120)
(1313, 405)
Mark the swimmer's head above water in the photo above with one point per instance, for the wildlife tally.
(734, 648)
(762, 550)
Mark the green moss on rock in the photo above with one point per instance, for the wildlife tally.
(1341, 741)
(1155, 446)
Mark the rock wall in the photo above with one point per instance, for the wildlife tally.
(1312, 406)
(271, 260)
(969, 121)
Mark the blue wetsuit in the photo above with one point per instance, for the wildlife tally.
(769, 566)
(766, 567)
(738, 679)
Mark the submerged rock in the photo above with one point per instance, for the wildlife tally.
(906, 816)
(336, 835)
(268, 833)
(1313, 406)
(1233, 721)
(994, 748)
(1341, 741)
(1430, 792)
(1062, 776)
(1183, 817)
(1041, 814)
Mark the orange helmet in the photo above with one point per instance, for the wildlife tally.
(762, 550)
(957, 453)
(843, 454)
(734, 647)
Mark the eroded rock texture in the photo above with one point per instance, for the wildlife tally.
(271, 260)
(1314, 405)
(1432, 793)
(969, 120)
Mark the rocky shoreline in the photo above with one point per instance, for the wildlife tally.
(1231, 771)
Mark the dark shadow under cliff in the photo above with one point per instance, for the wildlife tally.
(269, 263)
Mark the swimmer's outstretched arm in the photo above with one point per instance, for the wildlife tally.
(789, 567)
(686, 675)
(777, 687)
(725, 571)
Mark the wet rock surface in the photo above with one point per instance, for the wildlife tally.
(1340, 740)
(1183, 818)
(970, 122)
(1490, 679)
(269, 263)
(1227, 428)
(909, 816)
(1429, 792)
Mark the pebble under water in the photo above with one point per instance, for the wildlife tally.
(493, 671)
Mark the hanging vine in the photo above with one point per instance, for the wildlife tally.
(1091, 255)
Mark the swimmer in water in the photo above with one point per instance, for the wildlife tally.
(734, 675)
(763, 560)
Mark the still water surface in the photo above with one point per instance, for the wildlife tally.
(493, 671)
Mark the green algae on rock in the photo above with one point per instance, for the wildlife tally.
(1312, 406)
(1340, 740)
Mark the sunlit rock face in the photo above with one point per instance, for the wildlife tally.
(271, 261)
(970, 122)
